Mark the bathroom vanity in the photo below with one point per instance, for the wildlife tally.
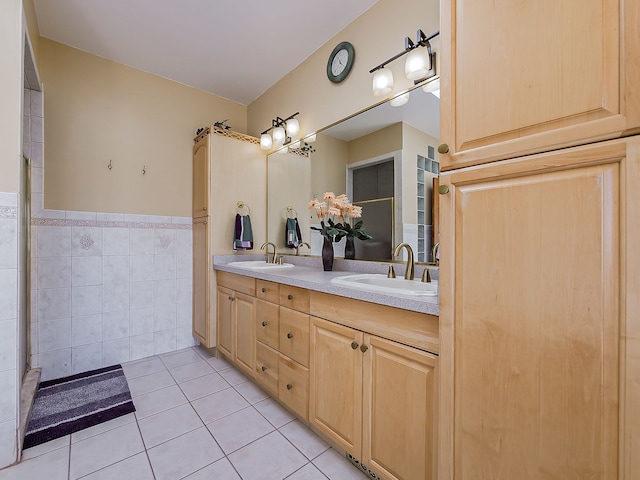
(359, 369)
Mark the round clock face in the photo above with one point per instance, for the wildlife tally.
(340, 62)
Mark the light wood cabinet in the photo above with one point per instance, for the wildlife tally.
(200, 304)
(201, 177)
(539, 316)
(525, 77)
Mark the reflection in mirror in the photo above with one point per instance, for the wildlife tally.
(385, 159)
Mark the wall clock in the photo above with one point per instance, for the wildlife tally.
(340, 62)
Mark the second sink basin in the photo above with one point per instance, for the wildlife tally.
(259, 265)
(380, 283)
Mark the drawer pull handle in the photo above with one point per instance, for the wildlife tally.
(264, 324)
(363, 348)
(263, 368)
(354, 345)
(204, 223)
(290, 297)
(289, 335)
(264, 290)
(289, 386)
(204, 208)
(230, 298)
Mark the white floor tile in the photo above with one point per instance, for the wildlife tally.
(143, 367)
(220, 470)
(308, 472)
(191, 371)
(233, 376)
(184, 455)
(180, 358)
(239, 429)
(218, 364)
(251, 392)
(51, 466)
(304, 439)
(99, 451)
(269, 458)
(274, 412)
(218, 405)
(205, 353)
(134, 468)
(337, 467)
(102, 427)
(169, 424)
(150, 383)
(158, 401)
(203, 386)
(46, 447)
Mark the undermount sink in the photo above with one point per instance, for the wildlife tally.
(259, 265)
(374, 282)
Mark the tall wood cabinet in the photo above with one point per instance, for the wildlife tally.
(539, 274)
(221, 161)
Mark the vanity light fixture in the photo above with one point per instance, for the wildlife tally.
(399, 100)
(433, 87)
(282, 129)
(420, 64)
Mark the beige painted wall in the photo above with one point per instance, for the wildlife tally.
(377, 35)
(381, 142)
(32, 27)
(97, 110)
(414, 143)
(328, 167)
(10, 94)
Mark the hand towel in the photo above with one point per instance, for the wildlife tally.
(243, 235)
(292, 234)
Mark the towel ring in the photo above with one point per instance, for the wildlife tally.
(291, 211)
(242, 205)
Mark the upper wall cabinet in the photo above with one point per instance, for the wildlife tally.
(201, 155)
(533, 76)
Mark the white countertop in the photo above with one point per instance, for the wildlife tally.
(307, 273)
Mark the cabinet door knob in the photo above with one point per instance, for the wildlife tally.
(264, 324)
(289, 386)
(443, 189)
(204, 209)
(354, 345)
(263, 368)
(363, 348)
(289, 335)
(264, 290)
(204, 223)
(443, 148)
(230, 298)
(290, 297)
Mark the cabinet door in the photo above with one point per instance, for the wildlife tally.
(224, 307)
(201, 272)
(335, 392)
(245, 333)
(293, 386)
(200, 184)
(294, 335)
(530, 322)
(399, 410)
(267, 323)
(525, 77)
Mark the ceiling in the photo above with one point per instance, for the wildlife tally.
(233, 49)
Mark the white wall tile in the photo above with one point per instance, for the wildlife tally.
(185, 338)
(34, 275)
(142, 346)
(165, 292)
(54, 303)
(54, 272)
(115, 351)
(182, 220)
(51, 214)
(159, 219)
(37, 129)
(37, 204)
(115, 241)
(8, 387)
(55, 364)
(86, 300)
(141, 241)
(184, 241)
(74, 215)
(86, 329)
(37, 104)
(54, 335)
(8, 293)
(115, 297)
(8, 199)
(8, 243)
(165, 242)
(34, 336)
(142, 294)
(26, 128)
(54, 241)
(86, 357)
(115, 325)
(184, 290)
(165, 317)
(115, 268)
(86, 271)
(165, 267)
(37, 156)
(8, 443)
(37, 180)
(86, 241)
(135, 218)
(142, 320)
(165, 341)
(184, 314)
(184, 268)
(142, 268)
(110, 217)
(26, 102)
(8, 343)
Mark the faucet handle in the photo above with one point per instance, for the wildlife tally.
(426, 276)
(391, 273)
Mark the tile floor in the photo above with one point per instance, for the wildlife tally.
(197, 417)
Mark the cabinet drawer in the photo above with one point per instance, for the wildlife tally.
(267, 368)
(239, 283)
(267, 322)
(294, 335)
(294, 297)
(266, 290)
(293, 386)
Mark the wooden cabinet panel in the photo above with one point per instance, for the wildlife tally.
(294, 297)
(200, 199)
(335, 390)
(294, 335)
(266, 290)
(239, 283)
(245, 334)
(293, 386)
(400, 385)
(530, 317)
(225, 324)
(504, 95)
(201, 261)
(267, 323)
(267, 362)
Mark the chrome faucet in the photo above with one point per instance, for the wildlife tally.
(408, 273)
(265, 246)
(299, 245)
(434, 251)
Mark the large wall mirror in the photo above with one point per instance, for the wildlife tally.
(385, 159)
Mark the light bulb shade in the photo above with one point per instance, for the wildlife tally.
(399, 100)
(417, 64)
(432, 87)
(265, 141)
(382, 82)
(293, 127)
(310, 138)
(278, 136)
(295, 144)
